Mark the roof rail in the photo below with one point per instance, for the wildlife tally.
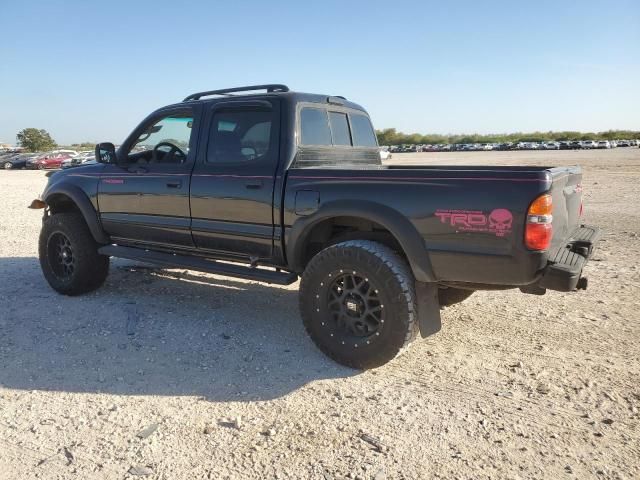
(273, 87)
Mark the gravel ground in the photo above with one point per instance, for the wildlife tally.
(182, 375)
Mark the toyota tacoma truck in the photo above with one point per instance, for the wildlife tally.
(269, 185)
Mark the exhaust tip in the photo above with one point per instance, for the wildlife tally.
(582, 283)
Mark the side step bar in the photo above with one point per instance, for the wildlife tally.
(199, 264)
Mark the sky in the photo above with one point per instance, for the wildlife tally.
(91, 71)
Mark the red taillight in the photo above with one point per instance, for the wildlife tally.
(538, 230)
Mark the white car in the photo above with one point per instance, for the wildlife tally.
(384, 153)
(79, 159)
(71, 153)
(588, 144)
(603, 144)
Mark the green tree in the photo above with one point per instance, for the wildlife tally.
(35, 140)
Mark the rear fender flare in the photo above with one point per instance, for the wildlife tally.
(395, 222)
(84, 205)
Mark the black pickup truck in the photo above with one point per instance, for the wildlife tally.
(268, 184)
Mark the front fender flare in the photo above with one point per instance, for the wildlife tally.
(398, 225)
(80, 198)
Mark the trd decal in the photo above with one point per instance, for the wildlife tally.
(499, 222)
(116, 181)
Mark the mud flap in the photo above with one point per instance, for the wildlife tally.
(428, 308)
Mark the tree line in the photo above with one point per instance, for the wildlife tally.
(390, 136)
(38, 140)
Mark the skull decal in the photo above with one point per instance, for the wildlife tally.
(500, 221)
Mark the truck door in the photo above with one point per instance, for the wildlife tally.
(145, 197)
(232, 185)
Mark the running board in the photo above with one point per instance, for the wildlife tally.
(199, 264)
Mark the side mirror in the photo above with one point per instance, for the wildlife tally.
(106, 153)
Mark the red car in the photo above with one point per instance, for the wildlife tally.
(50, 161)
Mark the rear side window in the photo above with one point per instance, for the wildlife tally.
(314, 126)
(362, 131)
(339, 128)
(239, 136)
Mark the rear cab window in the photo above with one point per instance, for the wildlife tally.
(324, 126)
(314, 126)
(362, 131)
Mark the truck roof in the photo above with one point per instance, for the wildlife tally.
(269, 90)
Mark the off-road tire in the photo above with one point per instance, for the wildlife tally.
(90, 269)
(450, 296)
(387, 278)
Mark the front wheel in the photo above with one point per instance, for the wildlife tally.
(8, 166)
(358, 303)
(69, 255)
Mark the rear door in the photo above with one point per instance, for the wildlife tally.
(232, 185)
(146, 198)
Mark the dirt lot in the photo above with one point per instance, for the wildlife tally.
(515, 386)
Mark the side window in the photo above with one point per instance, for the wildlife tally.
(164, 142)
(339, 128)
(362, 131)
(314, 126)
(239, 136)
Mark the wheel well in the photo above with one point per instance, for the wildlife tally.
(59, 203)
(339, 229)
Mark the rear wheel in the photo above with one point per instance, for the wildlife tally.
(69, 255)
(8, 166)
(358, 303)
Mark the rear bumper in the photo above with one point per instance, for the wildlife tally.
(564, 270)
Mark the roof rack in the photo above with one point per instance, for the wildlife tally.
(273, 87)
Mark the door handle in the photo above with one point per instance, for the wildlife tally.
(174, 184)
(253, 184)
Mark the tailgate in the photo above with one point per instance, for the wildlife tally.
(566, 191)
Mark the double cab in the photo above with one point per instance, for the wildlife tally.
(268, 184)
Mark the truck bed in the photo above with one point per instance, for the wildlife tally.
(470, 219)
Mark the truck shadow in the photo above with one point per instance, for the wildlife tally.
(155, 332)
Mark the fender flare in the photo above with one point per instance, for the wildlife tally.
(80, 198)
(398, 225)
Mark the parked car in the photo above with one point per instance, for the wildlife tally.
(384, 154)
(380, 248)
(48, 161)
(624, 143)
(6, 157)
(603, 144)
(80, 158)
(588, 144)
(16, 161)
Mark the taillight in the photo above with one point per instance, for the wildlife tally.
(538, 230)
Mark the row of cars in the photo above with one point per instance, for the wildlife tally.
(553, 145)
(45, 161)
